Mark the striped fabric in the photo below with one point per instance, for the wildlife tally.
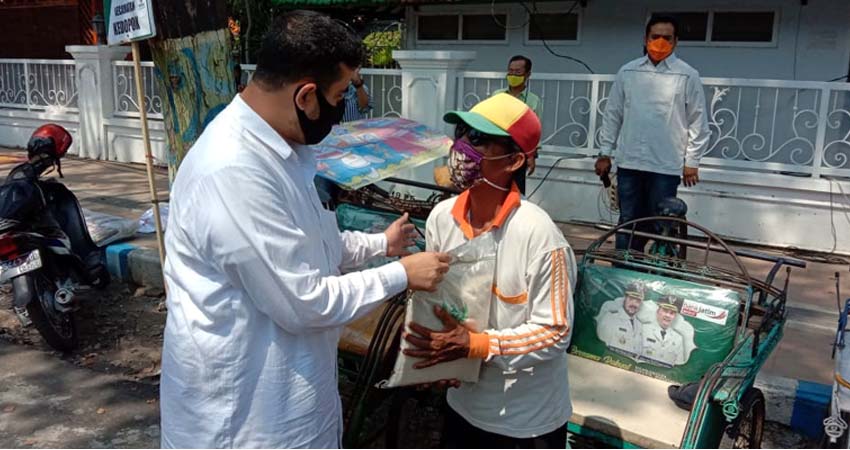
(352, 109)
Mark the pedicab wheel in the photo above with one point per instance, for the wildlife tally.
(416, 419)
(748, 429)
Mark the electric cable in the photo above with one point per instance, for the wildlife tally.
(505, 26)
(546, 44)
(549, 172)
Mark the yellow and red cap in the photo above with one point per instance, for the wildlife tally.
(502, 115)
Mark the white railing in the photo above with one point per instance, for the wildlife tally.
(38, 85)
(124, 90)
(384, 87)
(794, 127)
(758, 125)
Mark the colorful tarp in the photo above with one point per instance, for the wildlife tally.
(360, 153)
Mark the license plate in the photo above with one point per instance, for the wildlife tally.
(19, 266)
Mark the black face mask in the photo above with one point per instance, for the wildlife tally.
(329, 115)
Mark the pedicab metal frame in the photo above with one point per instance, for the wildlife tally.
(360, 373)
(727, 388)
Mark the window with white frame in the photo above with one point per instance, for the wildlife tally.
(461, 27)
(725, 27)
(553, 27)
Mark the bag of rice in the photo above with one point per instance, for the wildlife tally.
(466, 293)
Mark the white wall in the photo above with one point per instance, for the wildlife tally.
(767, 209)
(611, 33)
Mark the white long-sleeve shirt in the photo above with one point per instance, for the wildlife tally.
(656, 117)
(256, 299)
(522, 390)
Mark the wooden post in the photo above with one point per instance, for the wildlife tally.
(143, 115)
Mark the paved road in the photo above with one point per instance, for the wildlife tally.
(46, 402)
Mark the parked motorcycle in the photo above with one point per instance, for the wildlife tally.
(46, 251)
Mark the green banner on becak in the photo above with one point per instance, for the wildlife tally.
(669, 329)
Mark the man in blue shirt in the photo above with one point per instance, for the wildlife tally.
(358, 102)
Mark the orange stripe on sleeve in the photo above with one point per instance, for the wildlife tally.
(552, 290)
(552, 332)
(539, 346)
(567, 288)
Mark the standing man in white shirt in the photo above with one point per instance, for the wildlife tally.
(256, 294)
(657, 123)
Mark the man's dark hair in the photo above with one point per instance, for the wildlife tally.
(655, 20)
(524, 59)
(306, 44)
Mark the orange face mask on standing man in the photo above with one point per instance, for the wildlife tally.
(659, 49)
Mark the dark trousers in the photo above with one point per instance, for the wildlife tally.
(639, 193)
(458, 433)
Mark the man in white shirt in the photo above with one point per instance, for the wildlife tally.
(663, 345)
(656, 120)
(621, 329)
(522, 397)
(256, 294)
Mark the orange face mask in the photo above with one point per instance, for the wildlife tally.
(659, 49)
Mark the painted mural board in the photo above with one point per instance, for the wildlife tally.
(362, 152)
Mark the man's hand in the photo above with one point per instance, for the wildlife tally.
(356, 79)
(690, 176)
(400, 236)
(438, 346)
(603, 165)
(425, 270)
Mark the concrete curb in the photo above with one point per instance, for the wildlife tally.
(138, 265)
(801, 405)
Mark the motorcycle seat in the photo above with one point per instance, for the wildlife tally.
(69, 215)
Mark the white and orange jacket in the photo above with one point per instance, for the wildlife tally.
(523, 389)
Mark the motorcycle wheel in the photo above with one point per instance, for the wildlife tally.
(58, 328)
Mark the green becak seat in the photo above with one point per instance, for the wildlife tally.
(674, 332)
(625, 354)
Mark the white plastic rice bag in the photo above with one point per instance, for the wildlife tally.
(465, 293)
(147, 223)
(105, 229)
